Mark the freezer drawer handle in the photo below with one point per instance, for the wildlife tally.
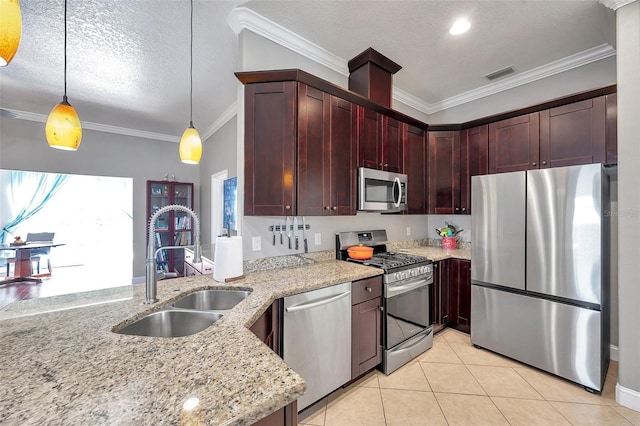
(317, 302)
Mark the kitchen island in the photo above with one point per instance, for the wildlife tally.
(69, 367)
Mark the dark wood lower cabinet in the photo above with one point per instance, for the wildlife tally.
(451, 295)
(267, 328)
(440, 296)
(366, 325)
(460, 294)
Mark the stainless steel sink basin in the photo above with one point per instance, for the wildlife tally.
(171, 323)
(212, 300)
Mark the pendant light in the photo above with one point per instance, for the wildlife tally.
(190, 147)
(10, 30)
(63, 129)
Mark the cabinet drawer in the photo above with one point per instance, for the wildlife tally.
(366, 289)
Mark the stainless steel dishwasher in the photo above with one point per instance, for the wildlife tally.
(317, 339)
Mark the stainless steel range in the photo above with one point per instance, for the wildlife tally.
(406, 329)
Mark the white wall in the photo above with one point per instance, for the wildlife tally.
(23, 147)
(628, 57)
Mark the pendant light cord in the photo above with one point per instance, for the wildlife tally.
(65, 50)
(191, 73)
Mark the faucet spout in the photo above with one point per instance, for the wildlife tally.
(151, 283)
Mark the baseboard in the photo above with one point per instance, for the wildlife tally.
(613, 353)
(627, 397)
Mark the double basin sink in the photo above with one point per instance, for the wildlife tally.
(188, 315)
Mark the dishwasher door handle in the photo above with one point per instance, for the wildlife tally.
(316, 302)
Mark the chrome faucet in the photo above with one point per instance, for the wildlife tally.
(151, 280)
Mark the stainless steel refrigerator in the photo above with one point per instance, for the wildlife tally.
(540, 269)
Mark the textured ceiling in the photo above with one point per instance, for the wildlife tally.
(128, 61)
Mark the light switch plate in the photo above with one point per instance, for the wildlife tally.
(318, 238)
(408, 230)
(256, 243)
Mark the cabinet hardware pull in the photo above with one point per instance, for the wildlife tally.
(327, 208)
(457, 209)
(287, 207)
(544, 163)
(334, 208)
(533, 164)
(464, 209)
(369, 289)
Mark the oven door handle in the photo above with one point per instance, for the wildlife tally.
(395, 290)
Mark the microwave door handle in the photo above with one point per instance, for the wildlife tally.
(397, 184)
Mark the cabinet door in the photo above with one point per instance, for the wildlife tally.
(460, 294)
(444, 172)
(313, 165)
(269, 149)
(366, 343)
(514, 144)
(369, 138)
(573, 134)
(415, 167)
(440, 301)
(343, 158)
(266, 327)
(474, 160)
(391, 145)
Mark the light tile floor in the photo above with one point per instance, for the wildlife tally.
(454, 383)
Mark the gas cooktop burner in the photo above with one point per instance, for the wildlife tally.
(391, 260)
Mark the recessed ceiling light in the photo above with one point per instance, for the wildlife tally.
(459, 27)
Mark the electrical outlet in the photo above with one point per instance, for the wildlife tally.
(408, 231)
(256, 243)
(318, 238)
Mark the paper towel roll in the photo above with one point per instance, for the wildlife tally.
(227, 258)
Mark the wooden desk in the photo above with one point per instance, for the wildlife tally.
(22, 270)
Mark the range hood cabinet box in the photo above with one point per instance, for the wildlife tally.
(371, 75)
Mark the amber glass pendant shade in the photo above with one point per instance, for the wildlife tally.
(63, 129)
(10, 30)
(190, 146)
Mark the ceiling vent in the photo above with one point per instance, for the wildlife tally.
(500, 73)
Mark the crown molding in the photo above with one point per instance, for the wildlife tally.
(242, 18)
(615, 4)
(565, 64)
(41, 118)
(227, 115)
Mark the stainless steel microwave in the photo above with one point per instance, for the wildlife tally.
(380, 191)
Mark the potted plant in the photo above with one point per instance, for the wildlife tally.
(448, 235)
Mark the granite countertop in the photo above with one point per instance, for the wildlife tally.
(69, 367)
(438, 253)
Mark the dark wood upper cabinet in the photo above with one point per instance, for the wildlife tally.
(327, 149)
(514, 144)
(379, 141)
(369, 138)
(415, 167)
(573, 134)
(270, 148)
(313, 156)
(300, 151)
(444, 172)
(474, 161)
(343, 157)
(391, 145)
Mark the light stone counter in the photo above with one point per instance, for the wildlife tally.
(438, 253)
(68, 367)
